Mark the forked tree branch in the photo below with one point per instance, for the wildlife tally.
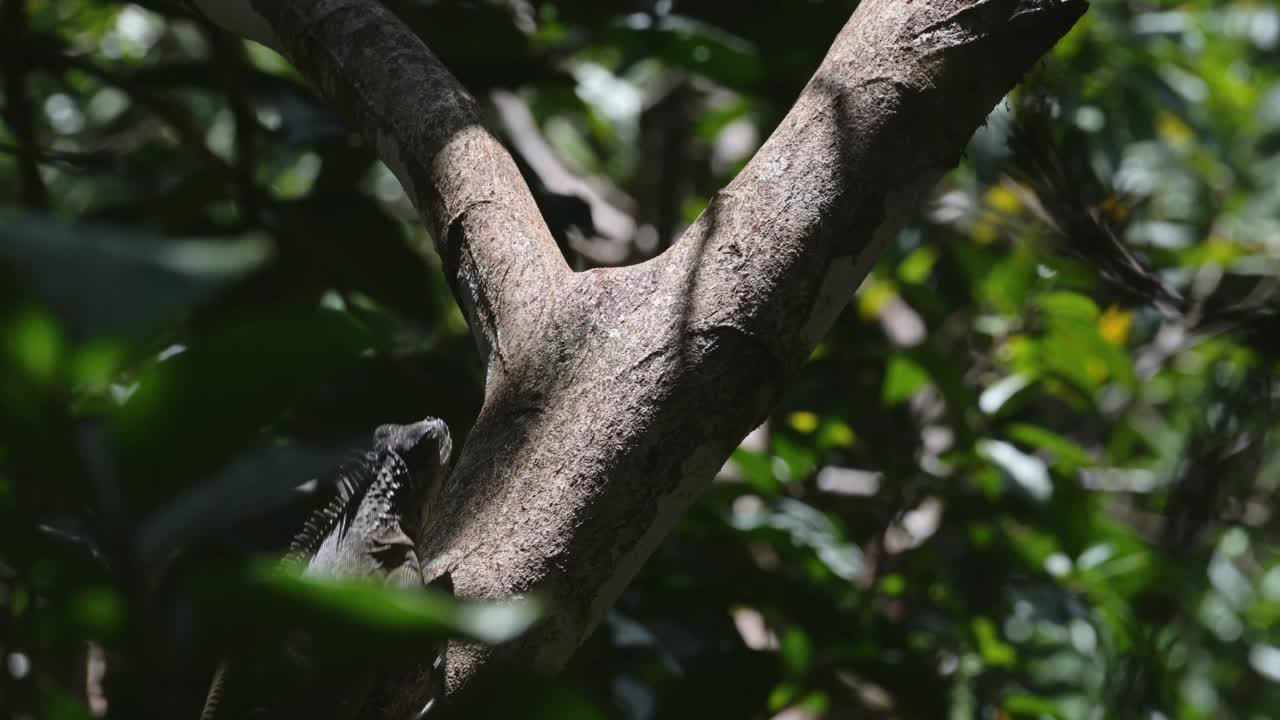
(614, 395)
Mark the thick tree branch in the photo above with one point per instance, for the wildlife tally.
(497, 250)
(782, 248)
(643, 379)
(617, 393)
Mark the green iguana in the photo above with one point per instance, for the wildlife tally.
(366, 531)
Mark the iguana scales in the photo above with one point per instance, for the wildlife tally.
(366, 531)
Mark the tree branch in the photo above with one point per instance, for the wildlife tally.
(616, 393)
(497, 250)
(782, 248)
(643, 379)
(229, 65)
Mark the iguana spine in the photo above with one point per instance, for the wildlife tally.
(367, 530)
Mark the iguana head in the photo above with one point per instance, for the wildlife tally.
(368, 529)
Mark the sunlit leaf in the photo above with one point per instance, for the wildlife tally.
(1066, 454)
(994, 650)
(1028, 471)
(902, 379)
(397, 612)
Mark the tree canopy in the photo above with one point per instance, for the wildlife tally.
(1019, 478)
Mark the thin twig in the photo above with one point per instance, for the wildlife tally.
(18, 113)
(229, 63)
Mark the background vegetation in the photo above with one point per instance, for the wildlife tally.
(1014, 481)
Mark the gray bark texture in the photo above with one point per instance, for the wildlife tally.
(613, 395)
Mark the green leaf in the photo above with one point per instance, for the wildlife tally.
(994, 651)
(757, 469)
(34, 345)
(902, 379)
(98, 611)
(915, 268)
(797, 651)
(1069, 306)
(56, 704)
(383, 612)
(691, 44)
(100, 280)
(1068, 456)
(893, 585)
(1032, 705)
(1007, 283)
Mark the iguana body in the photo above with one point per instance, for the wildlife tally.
(366, 531)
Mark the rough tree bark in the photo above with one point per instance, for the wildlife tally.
(613, 395)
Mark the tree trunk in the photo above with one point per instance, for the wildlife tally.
(613, 395)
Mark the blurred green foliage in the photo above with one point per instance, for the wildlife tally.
(999, 489)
